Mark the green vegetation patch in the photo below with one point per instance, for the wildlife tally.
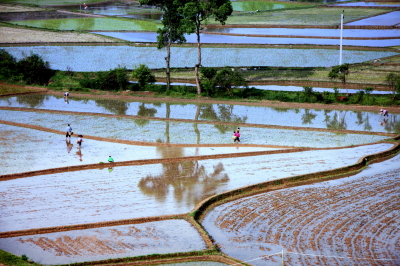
(91, 24)
(304, 16)
(250, 6)
(7, 258)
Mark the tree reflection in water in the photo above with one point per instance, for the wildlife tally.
(308, 117)
(225, 115)
(114, 106)
(338, 121)
(144, 111)
(188, 180)
(363, 121)
(32, 100)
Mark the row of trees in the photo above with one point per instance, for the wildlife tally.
(341, 73)
(185, 17)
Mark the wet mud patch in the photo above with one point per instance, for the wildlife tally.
(354, 217)
(160, 237)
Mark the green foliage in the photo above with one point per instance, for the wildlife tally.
(8, 66)
(339, 72)
(221, 82)
(195, 13)
(31, 69)
(34, 70)
(112, 80)
(308, 92)
(393, 81)
(144, 76)
(7, 258)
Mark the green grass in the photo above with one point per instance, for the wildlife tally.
(6, 89)
(90, 24)
(9, 259)
(304, 16)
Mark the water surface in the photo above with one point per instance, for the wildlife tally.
(215, 38)
(98, 195)
(388, 19)
(103, 243)
(355, 33)
(101, 58)
(297, 117)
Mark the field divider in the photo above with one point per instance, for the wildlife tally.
(197, 121)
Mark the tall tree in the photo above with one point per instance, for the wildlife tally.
(172, 31)
(340, 72)
(196, 12)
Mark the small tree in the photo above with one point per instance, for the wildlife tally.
(221, 81)
(34, 70)
(368, 91)
(308, 92)
(393, 81)
(8, 66)
(143, 76)
(340, 72)
(113, 80)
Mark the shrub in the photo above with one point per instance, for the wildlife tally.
(112, 80)
(34, 70)
(8, 66)
(221, 82)
(143, 76)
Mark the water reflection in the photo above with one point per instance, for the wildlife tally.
(337, 121)
(391, 124)
(188, 181)
(32, 100)
(221, 113)
(114, 106)
(225, 114)
(308, 117)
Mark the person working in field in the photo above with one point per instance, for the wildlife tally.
(384, 113)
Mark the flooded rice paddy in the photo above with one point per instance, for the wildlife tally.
(102, 58)
(215, 39)
(158, 131)
(103, 243)
(65, 196)
(23, 144)
(295, 117)
(354, 33)
(350, 221)
(388, 19)
(126, 192)
(370, 4)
